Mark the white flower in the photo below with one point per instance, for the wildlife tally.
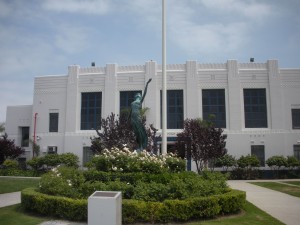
(121, 169)
(114, 168)
(69, 182)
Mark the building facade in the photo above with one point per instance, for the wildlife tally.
(257, 104)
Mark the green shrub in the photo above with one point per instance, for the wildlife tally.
(62, 181)
(134, 211)
(89, 187)
(248, 161)
(36, 163)
(152, 191)
(10, 164)
(232, 201)
(276, 161)
(226, 161)
(60, 207)
(69, 159)
(292, 162)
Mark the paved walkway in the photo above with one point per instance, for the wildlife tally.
(284, 207)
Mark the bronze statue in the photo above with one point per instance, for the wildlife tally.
(136, 120)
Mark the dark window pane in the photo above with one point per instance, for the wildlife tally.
(91, 104)
(296, 118)
(53, 122)
(255, 108)
(25, 136)
(213, 106)
(259, 152)
(174, 109)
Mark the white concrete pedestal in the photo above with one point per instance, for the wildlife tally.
(105, 208)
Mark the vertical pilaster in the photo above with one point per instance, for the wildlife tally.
(192, 91)
(110, 94)
(234, 101)
(71, 100)
(276, 119)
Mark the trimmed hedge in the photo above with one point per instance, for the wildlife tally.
(137, 211)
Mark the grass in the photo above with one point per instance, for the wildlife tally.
(8, 184)
(293, 182)
(287, 189)
(251, 215)
(14, 215)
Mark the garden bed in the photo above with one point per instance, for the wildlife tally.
(134, 211)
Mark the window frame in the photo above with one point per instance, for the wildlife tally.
(255, 108)
(91, 110)
(262, 160)
(218, 103)
(53, 122)
(176, 108)
(25, 134)
(295, 119)
(296, 151)
(129, 98)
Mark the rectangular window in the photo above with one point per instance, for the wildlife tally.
(91, 104)
(53, 122)
(25, 136)
(52, 150)
(297, 151)
(296, 118)
(213, 106)
(174, 109)
(87, 155)
(126, 98)
(259, 152)
(255, 107)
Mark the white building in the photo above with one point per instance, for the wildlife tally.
(257, 104)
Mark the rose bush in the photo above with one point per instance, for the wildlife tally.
(124, 160)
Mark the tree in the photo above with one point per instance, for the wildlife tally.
(117, 132)
(226, 161)
(2, 127)
(8, 149)
(248, 162)
(292, 162)
(276, 161)
(205, 142)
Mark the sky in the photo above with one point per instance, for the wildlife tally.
(44, 37)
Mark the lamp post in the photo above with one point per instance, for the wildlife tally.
(164, 81)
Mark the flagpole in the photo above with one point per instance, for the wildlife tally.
(164, 81)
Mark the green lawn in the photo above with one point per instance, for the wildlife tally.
(14, 215)
(293, 182)
(288, 189)
(8, 185)
(251, 215)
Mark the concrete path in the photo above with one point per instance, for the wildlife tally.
(281, 206)
(10, 199)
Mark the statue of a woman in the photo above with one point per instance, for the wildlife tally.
(136, 120)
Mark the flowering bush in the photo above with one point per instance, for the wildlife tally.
(62, 181)
(124, 160)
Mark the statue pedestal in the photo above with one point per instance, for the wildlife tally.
(105, 207)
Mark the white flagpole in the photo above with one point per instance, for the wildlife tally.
(164, 81)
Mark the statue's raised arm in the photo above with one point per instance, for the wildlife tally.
(145, 91)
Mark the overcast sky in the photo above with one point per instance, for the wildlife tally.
(43, 37)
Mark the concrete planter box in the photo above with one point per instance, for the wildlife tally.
(105, 207)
